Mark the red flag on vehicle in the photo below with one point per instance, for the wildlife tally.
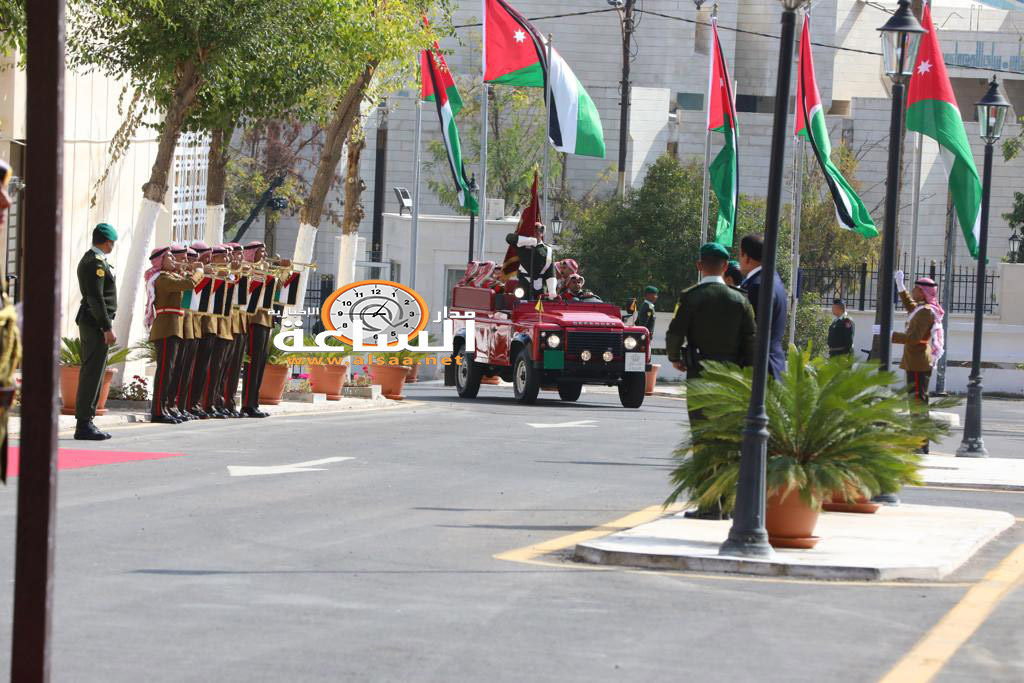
(527, 227)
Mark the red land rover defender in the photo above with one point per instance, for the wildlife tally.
(564, 346)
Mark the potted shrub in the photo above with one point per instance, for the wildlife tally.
(390, 368)
(834, 425)
(71, 365)
(651, 379)
(328, 377)
(275, 376)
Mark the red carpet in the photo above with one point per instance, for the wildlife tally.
(72, 459)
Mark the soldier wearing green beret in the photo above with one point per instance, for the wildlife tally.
(95, 327)
(733, 275)
(645, 315)
(714, 322)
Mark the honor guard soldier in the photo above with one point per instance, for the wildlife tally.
(923, 341)
(239, 320)
(645, 314)
(536, 263)
(204, 331)
(95, 327)
(191, 334)
(714, 322)
(261, 323)
(165, 284)
(840, 332)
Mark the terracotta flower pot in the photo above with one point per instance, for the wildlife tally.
(413, 376)
(391, 379)
(495, 380)
(328, 379)
(790, 523)
(272, 386)
(69, 389)
(652, 378)
(838, 503)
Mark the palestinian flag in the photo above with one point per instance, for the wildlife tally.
(724, 170)
(219, 296)
(255, 294)
(441, 84)
(528, 220)
(810, 123)
(229, 296)
(201, 296)
(269, 289)
(932, 111)
(242, 291)
(515, 53)
(288, 292)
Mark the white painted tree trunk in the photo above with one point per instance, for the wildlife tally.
(305, 242)
(129, 281)
(214, 233)
(347, 252)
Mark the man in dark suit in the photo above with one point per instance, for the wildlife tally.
(95, 328)
(751, 250)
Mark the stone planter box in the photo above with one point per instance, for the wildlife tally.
(370, 392)
(303, 397)
(132, 406)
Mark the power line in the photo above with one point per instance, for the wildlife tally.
(549, 16)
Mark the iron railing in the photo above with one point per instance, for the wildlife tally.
(858, 285)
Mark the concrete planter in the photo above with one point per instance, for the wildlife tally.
(303, 397)
(371, 391)
(128, 406)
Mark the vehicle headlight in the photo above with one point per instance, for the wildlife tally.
(519, 292)
(585, 355)
(607, 356)
(629, 343)
(554, 341)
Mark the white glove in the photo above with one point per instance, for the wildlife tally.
(900, 287)
(876, 330)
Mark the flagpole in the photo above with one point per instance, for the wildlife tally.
(706, 197)
(915, 202)
(547, 132)
(947, 289)
(798, 201)
(414, 230)
(483, 167)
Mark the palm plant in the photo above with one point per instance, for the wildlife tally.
(834, 426)
(71, 353)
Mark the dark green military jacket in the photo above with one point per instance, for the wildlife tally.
(645, 317)
(99, 293)
(715, 321)
(840, 336)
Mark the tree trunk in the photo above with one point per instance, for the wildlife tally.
(153, 192)
(216, 182)
(335, 134)
(354, 213)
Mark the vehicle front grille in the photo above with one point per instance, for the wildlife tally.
(596, 342)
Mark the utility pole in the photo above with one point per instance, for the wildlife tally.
(380, 172)
(625, 8)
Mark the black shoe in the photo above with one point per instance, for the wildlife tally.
(253, 412)
(234, 413)
(87, 431)
(164, 420)
(705, 514)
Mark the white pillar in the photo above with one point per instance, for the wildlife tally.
(414, 234)
(129, 282)
(345, 270)
(305, 241)
(214, 233)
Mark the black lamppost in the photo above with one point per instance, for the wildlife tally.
(900, 38)
(991, 116)
(747, 536)
(1015, 241)
(556, 227)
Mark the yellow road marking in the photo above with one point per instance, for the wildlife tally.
(939, 645)
(532, 555)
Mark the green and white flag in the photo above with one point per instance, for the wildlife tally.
(810, 123)
(932, 111)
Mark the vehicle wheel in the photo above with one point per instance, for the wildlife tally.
(525, 378)
(570, 392)
(467, 375)
(631, 389)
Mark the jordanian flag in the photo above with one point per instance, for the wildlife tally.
(446, 81)
(810, 123)
(515, 53)
(437, 80)
(932, 111)
(724, 170)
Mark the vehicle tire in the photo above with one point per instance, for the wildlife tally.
(525, 378)
(570, 392)
(631, 389)
(467, 375)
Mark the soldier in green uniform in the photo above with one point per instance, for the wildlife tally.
(645, 315)
(95, 327)
(715, 322)
(840, 332)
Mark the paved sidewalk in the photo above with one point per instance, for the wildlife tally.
(919, 542)
(114, 418)
(942, 469)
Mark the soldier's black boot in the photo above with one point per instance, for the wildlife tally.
(85, 430)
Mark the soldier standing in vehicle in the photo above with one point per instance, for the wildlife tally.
(95, 328)
(645, 314)
(715, 322)
(840, 332)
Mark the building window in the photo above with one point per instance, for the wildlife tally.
(188, 200)
(691, 101)
(673, 150)
(452, 275)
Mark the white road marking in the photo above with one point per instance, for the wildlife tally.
(257, 470)
(561, 425)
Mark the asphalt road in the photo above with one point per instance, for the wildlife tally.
(382, 568)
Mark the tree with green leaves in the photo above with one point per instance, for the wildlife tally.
(13, 27)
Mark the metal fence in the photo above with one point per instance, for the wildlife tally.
(858, 286)
(317, 291)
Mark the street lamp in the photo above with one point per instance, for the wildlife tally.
(1014, 246)
(900, 38)
(991, 116)
(748, 537)
(556, 226)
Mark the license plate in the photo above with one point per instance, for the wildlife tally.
(554, 360)
(635, 362)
